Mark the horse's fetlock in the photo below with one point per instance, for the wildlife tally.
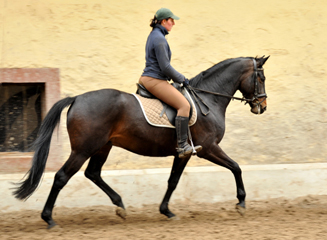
(46, 215)
(241, 194)
(118, 201)
(163, 208)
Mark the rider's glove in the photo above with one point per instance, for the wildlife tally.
(186, 82)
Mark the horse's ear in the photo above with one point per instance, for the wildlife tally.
(262, 60)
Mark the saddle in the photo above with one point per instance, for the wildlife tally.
(170, 112)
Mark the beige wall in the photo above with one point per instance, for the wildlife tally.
(100, 44)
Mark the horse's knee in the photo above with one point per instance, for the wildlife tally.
(236, 168)
(60, 180)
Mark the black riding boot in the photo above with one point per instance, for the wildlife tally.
(184, 149)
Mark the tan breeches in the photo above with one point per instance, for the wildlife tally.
(167, 93)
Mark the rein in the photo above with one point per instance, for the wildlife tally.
(197, 98)
(243, 99)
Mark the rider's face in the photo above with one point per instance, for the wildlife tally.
(168, 24)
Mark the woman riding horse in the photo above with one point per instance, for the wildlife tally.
(100, 120)
(158, 70)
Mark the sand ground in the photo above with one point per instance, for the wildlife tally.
(301, 218)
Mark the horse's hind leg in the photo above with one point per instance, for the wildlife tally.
(93, 172)
(73, 164)
(176, 172)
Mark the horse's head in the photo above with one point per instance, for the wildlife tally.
(253, 86)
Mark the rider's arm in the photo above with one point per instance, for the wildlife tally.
(161, 51)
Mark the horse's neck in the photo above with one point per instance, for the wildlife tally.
(227, 86)
(223, 78)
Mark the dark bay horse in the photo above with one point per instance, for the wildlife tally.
(98, 120)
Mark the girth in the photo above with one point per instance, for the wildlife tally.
(171, 112)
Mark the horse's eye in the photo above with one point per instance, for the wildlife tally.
(262, 76)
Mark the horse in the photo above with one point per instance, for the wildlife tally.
(99, 120)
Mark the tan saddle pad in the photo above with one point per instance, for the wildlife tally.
(152, 109)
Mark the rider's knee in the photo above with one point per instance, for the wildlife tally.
(184, 112)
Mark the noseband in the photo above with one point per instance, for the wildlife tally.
(255, 99)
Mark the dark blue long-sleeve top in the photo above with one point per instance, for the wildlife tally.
(158, 55)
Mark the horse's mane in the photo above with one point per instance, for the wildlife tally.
(216, 69)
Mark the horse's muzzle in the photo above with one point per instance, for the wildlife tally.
(258, 110)
(258, 106)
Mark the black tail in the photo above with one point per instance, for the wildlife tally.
(42, 146)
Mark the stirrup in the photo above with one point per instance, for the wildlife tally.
(184, 152)
(188, 150)
(195, 149)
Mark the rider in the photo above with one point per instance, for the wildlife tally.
(158, 72)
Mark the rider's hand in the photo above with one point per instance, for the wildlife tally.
(186, 82)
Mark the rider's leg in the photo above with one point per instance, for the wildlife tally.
(184, 149)
(171, 96)
(168, 94)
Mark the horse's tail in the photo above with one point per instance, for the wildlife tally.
(42, 146)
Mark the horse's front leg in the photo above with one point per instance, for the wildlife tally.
(176, 172)
(216, 155)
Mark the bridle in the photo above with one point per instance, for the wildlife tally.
(254, 100)
(257, 95)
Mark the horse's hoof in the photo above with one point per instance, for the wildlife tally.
(241, 210)
(168, 214)
(174, 218)
(53, 226)
(121, 212)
